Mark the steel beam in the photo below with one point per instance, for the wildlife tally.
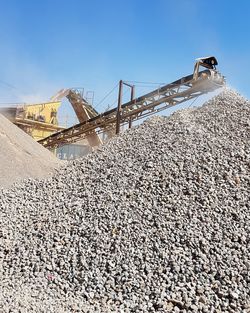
(167, 96)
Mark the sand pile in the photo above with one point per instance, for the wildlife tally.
(20, 156)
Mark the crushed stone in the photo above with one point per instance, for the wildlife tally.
(157, 220)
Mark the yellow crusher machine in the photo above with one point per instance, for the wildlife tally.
(38, 120)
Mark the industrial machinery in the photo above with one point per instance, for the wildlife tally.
(83, 110)
(183, 89)
(38, 120)
(81, 106)
(211, 74)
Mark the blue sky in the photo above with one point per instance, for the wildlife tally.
(47, 45)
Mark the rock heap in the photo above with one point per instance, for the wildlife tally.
(155, 221)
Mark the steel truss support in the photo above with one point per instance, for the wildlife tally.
(119, 106)
(160, 99)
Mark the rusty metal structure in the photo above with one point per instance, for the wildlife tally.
(179, 91)
(83, 110)
(82, 107)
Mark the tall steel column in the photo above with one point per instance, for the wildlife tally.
(119, 106)
(131, 99)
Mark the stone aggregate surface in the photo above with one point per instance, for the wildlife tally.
(157, 220)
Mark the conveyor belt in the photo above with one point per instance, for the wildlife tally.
(167, 96)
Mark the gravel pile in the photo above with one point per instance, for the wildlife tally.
(21, 157)
(155, 221)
